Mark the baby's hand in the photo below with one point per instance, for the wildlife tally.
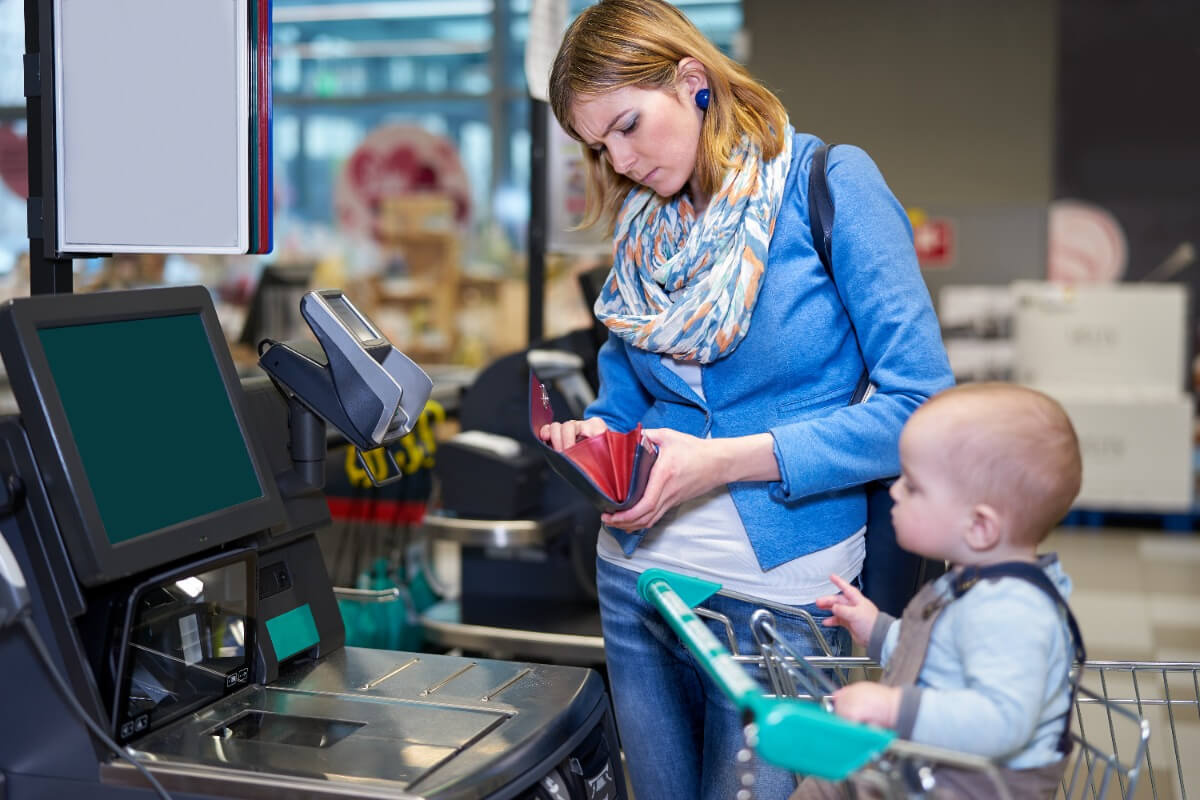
(868, 702)
(851, 609)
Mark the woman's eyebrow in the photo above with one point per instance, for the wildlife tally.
(615, 120)
(611, 125)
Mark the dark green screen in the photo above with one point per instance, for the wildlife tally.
(152, 421)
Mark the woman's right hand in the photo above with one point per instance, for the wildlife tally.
(851, 609)
(561, 435)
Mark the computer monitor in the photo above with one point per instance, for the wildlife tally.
(137, 421)
(274, 311)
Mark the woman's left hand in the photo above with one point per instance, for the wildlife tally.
(686, 467)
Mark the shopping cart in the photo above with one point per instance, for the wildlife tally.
(792, 725)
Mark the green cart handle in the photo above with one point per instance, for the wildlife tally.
(793, 734)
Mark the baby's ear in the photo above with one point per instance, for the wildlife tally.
(984, 527)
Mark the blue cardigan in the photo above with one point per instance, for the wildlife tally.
(795, 370)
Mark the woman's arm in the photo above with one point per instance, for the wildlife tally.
(881, 288)
(622, 401)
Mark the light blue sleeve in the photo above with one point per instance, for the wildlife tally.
(881, 287)
(889, 643)
(1004, 635)
(622, 400)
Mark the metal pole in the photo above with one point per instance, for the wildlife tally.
(539, 119)
(48, 274)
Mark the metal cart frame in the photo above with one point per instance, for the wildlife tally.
(1110, 726)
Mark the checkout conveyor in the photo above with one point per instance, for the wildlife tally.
(159, 520)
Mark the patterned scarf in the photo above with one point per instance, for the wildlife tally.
(685, 288)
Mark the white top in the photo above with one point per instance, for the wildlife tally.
(704, 537)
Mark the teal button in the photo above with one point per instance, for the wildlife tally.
(292, 632)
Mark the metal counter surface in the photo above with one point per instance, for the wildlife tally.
(443, 626)
(378, 723)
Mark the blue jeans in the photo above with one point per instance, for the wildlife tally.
(679, 731)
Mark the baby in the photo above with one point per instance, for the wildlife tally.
(980, 661)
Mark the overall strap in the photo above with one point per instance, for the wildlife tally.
(1031, 573)
(820, 223)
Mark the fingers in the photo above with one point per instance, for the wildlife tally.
(832, 601)
(645, 512)
(556, 434)
(656, 435)
(592, 426)
(561, 435)
(845, 587)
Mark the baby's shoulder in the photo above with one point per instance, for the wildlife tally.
(1014, 600)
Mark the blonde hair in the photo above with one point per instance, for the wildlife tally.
(1013, 448)
(619, 43)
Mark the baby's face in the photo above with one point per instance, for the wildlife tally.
(931, 515)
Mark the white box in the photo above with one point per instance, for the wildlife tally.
(976, 311)
(980, 359)
(1137, 452)
(1124, 337)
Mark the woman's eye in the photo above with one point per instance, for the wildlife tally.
(630, 127)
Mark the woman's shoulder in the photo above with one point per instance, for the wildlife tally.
(845, 157)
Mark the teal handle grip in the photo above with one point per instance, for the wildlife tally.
(793, 734)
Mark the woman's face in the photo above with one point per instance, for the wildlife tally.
(648, 135)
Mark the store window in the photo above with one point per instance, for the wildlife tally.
(454, 67)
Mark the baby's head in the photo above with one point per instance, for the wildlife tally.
(988, 469)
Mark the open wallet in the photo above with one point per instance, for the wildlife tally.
(610, 469)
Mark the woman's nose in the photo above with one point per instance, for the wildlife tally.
(621, 159)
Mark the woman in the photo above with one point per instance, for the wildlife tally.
(732, 347)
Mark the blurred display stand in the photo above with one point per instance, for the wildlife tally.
(1115, 356)
(977, 323)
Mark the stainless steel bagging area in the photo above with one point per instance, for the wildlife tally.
(164, 598)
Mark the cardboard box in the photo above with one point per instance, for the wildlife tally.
(976, 312)
(1137, 452)
(1120, 337)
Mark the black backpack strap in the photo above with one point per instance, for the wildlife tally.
(1031, 573)
(820, 207)
(820, 223)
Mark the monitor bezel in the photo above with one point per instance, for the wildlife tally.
(95, 559)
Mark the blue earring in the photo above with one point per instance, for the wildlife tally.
(702, 99)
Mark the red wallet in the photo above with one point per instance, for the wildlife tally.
(611, 469)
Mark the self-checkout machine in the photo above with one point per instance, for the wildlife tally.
(166, 620)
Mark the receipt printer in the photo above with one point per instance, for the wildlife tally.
(488, 476)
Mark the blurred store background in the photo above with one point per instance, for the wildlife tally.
(1047, 151)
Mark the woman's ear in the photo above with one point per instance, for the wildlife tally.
(692, 76)
(983, 529)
